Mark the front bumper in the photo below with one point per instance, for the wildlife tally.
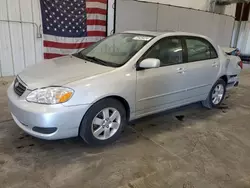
(64, 120)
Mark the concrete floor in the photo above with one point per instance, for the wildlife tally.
(199, 149)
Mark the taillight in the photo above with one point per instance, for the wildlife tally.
(240, 64)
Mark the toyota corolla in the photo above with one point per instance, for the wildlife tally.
(95, 92)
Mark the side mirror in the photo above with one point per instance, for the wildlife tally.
(150, 63)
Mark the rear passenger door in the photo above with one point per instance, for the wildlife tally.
(202, 66)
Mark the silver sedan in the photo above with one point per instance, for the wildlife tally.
(95, 92)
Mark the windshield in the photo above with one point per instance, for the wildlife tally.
(115, 50)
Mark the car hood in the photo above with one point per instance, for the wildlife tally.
(60, 71)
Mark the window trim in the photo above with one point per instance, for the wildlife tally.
(184, 38)
(157, 42)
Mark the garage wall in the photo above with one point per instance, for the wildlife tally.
(19, 43)
(195, 4)
(244, 36)
(159, 17)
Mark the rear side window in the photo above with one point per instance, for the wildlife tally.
(199, 49)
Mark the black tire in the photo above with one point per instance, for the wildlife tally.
(208, 102)
(85, 131)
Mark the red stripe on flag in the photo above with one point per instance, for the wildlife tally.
(91, 22)
(96, 11)
(97, 33)
(96, 22)
(51, 56)
(98, 1)
(66, 45)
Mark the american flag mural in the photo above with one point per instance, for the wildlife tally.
(71, 25)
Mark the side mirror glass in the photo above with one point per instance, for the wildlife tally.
(150, 63)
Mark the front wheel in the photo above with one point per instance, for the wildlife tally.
(216, 95)
(103, 122)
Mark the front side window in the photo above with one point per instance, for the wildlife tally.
(199, 49)
(168, 51)
(115, 50)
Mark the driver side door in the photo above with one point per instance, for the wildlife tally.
(162, 88)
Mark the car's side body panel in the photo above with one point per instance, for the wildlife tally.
(169, 87)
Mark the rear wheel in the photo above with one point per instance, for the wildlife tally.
(216, 95)
(103, 122)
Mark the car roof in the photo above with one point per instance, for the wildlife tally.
(170, 33)
(152, 33)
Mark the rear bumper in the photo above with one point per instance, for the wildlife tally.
(233, 81)
(236, 84)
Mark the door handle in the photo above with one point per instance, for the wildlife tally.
(215, 64)
(181, 70)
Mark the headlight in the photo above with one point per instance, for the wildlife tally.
(50, 95)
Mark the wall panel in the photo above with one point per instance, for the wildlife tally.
(195, 4)
(6, 61)
(244, 37)
(16, 35)
(141, 17)
(134, 15)
(167, 18)
(188, 20)
(27, 33)
(228, 27)
(246, 49)
(19, 44)
(38, 42)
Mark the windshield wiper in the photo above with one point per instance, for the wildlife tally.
(95, 60)
(90, 58)
(80, 55)
(101, 62)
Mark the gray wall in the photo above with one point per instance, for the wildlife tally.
(134, 15)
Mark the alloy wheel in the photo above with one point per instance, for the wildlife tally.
(218, 94)
(106, 123)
